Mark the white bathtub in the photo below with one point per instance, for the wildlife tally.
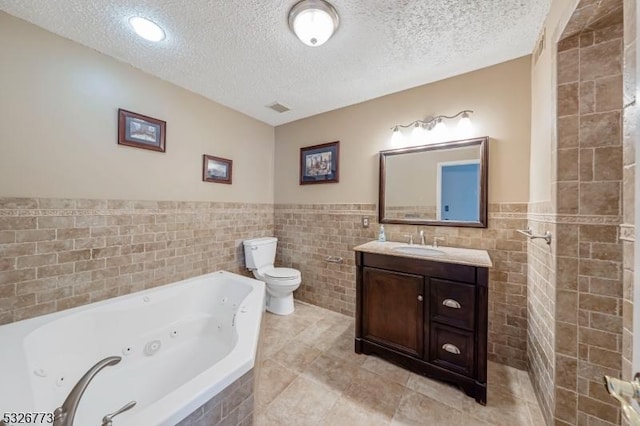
(207, 328)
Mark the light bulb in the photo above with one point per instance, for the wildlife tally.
(396, 137)
(465, 127)
(313, 21)
(417, 135)
(440, 131)
(146, 29)
(313, 27)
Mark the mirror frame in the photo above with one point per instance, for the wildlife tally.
(483, 144)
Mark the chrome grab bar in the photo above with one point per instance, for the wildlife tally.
(529, 233)
(621, 390)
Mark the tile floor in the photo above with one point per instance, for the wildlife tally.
(308, 374)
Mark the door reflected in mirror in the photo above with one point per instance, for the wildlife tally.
(438, 184)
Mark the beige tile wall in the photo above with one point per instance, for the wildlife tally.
(541, 312)
(56, 254)
(234, 406)
(409, 212)
(310, 233)
(627, 230)
(588, 251)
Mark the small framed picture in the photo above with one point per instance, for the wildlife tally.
(216, 169)
(141, 131)
(320, 163)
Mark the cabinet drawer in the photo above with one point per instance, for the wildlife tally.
(452, 349)
(453, 303)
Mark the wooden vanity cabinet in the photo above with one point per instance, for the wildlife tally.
(427, 316)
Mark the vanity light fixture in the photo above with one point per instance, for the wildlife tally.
(313, 21)
(435, 124)
(146, 29)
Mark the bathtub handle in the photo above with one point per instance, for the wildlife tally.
(107, 420)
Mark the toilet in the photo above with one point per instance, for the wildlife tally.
(259, 256)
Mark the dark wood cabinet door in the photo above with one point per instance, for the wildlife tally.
(393, 310)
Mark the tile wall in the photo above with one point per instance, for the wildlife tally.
(541, 312)
(233, 406)
(308, 234)
(589, 208)
(56, 254)
(627, 229)
(575, 285)
(408, 212)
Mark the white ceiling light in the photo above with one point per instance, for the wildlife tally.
(146, 29)
(313, 21)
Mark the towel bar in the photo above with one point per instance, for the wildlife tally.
(529, 233)
(622, 390)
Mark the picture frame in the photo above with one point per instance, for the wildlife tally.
(216, 169)
(141, 131)
(320, 163)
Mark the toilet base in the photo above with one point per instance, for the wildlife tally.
(280, 305)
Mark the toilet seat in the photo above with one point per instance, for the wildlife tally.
(282, 274)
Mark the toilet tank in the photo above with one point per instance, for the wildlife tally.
(260, 252)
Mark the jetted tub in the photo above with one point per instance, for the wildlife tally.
(181, 344)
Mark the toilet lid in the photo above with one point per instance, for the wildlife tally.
(282, 273)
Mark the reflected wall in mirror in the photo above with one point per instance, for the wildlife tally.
(438, 184)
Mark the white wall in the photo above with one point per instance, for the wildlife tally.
(58, 128)
(500, 96)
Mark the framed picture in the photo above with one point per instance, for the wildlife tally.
(320, 163)
(141, 131)
(216, 169)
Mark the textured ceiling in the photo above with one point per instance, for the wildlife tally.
(242, 54)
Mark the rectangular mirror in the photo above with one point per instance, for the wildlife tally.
(439, 184)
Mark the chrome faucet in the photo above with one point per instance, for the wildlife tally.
(108, 419)
(63, 415)
(422, 240)
(435, 241)
(410, 237)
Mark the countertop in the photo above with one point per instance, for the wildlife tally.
(462, 256)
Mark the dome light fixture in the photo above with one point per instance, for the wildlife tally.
(146, 29)
(313, 21)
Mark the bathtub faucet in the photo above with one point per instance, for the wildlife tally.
(108, 419)
(63, 415)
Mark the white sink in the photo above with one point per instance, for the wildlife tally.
(419, 250)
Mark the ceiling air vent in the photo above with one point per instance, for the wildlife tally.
(278, 107)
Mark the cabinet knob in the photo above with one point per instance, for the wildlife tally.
(420, 298)
(450, 303)
(451, 348)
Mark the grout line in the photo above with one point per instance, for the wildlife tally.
(523, 403)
